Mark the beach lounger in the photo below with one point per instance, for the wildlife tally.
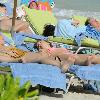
(40, 74)
(51, 76)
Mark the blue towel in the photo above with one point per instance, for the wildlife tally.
(91, 73)
(25, 2)
(8, 41)
(46, 75)
(20, 37)
(91, 32)
(64, 28)
(87, 72)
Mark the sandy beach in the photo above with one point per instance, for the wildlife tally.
(70, 96)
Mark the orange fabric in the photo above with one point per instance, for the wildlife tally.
(11, 51)
(1, 40)
(44, 6)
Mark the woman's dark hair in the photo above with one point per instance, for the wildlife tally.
(36, 47)
(87, 22)
(49, 30)
(34, 2)
(2, 5)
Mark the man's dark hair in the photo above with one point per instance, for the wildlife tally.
(49, 30)
(2, 5)
(34, 2)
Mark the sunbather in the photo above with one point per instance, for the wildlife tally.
(45, 55)
(59, 56)
(6, 22)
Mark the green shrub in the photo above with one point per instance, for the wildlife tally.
(10, 89)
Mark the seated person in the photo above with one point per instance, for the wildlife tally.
(33, 5)
(6, 22)
(45, 6)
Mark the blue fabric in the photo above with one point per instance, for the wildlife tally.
(91, 73)
(93, 85)
(42, 74)
(64, 28)
(25, 2)
(8, 41)
(9, 8)
(91, 32)
(27, 47)
(87, 72)
(20, 37)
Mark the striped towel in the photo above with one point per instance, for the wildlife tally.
(91, 32)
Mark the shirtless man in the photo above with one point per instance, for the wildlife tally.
(62, 56)
(6, 22)
(47, 55)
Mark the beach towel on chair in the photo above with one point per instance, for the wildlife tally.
(26, 41)
(46, 75)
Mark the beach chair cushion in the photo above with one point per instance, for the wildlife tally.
(38, 19)
(88, 42)
(82, 19)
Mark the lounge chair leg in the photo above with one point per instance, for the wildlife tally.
(80, 48)
(70, 81)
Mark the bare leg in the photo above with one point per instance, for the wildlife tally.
(7, 58)
(40, 58)
(67, 63)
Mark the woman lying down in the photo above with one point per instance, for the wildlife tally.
(47, 55)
